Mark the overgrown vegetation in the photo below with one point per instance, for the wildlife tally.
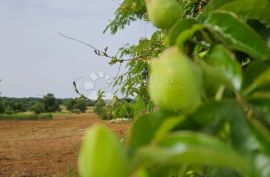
(209, 81)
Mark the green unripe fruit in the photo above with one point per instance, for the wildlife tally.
(102, 155)
(175, 82)
(164, 13)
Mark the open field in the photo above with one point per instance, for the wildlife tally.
(47, 148)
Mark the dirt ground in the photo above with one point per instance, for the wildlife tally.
(46, 148)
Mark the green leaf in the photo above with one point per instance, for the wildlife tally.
(248, 9)
(261, 29)
(167, 125)
(253, 70)
(251, 9)
(144, 129)
(222, 172)
(261, 80)
(261, 101)
(178, 28)
(191, 148)
(141, 173)
(213, 78)
(261, 132)
(224, 60)
(188, 34)
(230, 111)
(237, 35)
(214, 5)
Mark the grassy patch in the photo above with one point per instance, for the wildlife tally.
(26, 116)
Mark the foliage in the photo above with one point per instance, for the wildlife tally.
(38, 108)
(119, 108)
(228, 134)
(126, 108)
(128, 11)
(2, 108)
(134, 81)
(100, 106)
(50, 103)
(15, 105)
(77, 105)
(20, 105)
(9, 109)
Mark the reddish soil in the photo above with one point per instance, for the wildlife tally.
(46, 148)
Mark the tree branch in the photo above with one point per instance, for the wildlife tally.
(100, 52)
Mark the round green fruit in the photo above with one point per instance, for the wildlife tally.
(175, 82)
(164, 13)
(102, 155)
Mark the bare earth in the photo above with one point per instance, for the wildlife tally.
(45, 148)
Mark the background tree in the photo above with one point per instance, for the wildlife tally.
(38, 108)
(69, 104)
(51, 104)
(2, 108)
(78, 104)
(100, 106)
(81, 104)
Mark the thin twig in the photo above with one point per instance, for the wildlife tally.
(100, 52)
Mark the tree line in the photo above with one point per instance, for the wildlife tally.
(49, 103)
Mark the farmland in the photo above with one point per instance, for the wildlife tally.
(46, 147)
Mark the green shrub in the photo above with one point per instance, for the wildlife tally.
(38, 108)
(51, 104)
(77, 105)
(9, 110)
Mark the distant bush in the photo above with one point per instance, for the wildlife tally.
(38, 108)
(9, 110)
(51, 104)
(127, 108)
(101, 109)
(77, 105)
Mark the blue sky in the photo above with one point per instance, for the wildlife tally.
(35, 60)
